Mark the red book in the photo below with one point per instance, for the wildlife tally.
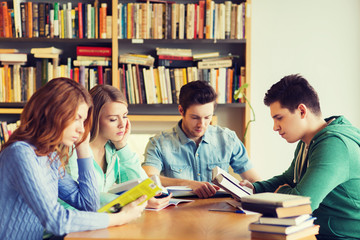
(201, 18)
(195, 21)
(80, 18)
(138, 83)
(4, 24)
(100, 75)
(168, 57)
(93, 51)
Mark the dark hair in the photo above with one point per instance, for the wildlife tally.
(291, 91)
(47, 113)
(102, 94)
(196, 92)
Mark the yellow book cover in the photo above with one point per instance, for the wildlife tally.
(157, 85)
(146, 187)
(129, 20)
(184, 76)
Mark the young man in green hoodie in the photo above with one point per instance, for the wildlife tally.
(326, 164)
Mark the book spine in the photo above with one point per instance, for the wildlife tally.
(93, 51)
(35, 19)
(56, 20)
(175, 63)
(170, 57)
(42, 20)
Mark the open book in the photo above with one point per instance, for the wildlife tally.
(183, 191)
(229, 183)
(146, 187)
(172, 202)
(122, 187)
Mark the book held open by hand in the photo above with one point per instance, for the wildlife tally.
(146, 187)
(229, 183)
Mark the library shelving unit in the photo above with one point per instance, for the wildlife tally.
(139, 112)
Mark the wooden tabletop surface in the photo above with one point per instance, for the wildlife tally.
(186, 221)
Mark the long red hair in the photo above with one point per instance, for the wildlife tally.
(48, 112)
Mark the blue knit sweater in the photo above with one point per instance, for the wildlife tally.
(29, 189)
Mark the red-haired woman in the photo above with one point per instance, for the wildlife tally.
(32, 172)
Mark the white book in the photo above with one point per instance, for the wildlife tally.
(181, 21)
(277, 199)
(152, 83)
(222, 86)
(52, 50)
(285, 221)
(227, 19)
(135, 85)
(229, 183)
(17, 83)
(88, 21)
(168, 85)
(164, 96)
(13, 57)
(269, 228)
(69, 30)
(17, 18)
(122, 187)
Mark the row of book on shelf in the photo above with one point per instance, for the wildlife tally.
(140, 81)
(54, 20)
(5, 130)
(204, 20)
(166, 20)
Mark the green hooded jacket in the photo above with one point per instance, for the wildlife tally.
(331, 179)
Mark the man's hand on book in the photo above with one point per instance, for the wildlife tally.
(203, 189)
(128, 213)
(248, 184)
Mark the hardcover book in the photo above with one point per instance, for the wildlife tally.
(93, 51)
(277, 199)
(259, 227)
(285, 221)
(274, 211)
(305, 234)
(229, 183)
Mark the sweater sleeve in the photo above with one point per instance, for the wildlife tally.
(328, 168)
(273, 183)
(36, 183)
(83, 195)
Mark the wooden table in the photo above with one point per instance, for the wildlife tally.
(186, 221)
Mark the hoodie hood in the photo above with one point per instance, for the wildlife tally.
(339, 126)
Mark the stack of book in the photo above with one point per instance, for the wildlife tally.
(172, 57)
(284, 216)
(92, 66)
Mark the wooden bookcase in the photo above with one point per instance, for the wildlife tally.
(150, 112)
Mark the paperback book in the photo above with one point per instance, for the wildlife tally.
(146, 187)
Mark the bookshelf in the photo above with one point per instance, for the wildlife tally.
(160, 112)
